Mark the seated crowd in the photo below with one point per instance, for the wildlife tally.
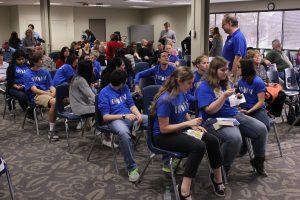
(205, 89)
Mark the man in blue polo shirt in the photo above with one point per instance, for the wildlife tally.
(235, 47)
(118, 110)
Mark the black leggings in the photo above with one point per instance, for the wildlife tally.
(195, 149)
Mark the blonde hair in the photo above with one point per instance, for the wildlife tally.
(252, 53)
(199, 59)
(171, 85)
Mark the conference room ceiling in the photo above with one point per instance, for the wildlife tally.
(112, 3)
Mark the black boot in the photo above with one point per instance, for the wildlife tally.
(258, 164)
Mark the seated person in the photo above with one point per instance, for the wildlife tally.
(173, 59)
(158, 51)
(66, 72)
(15, 79)
(213, 102)
(82, 98)
(160, 72)
(171, 118)
(63, 55)
(118, 110)
(96, 65)
(257, 61)
(38, 84)
(115, 63)
(3, 69)
(253, 88)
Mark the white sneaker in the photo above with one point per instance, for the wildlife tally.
(54, 137)
(108, 144)
(79, 126)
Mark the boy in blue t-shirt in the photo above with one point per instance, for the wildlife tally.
(160, 72)
(66, 72)
(38, 83)
(118, 110)
(97, 68)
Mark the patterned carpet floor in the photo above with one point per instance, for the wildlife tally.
(46, 171)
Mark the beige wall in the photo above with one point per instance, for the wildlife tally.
(177, 16)
(116, 19)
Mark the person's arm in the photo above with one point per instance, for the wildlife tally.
(53, 91)
(165, 127)
(86, 90)
(37, 91)
(235, 64)
(217, 104)
(143, 74)
(259, 104)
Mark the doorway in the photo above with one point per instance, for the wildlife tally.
(98, 27)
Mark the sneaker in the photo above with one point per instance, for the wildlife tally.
(258, 164)
(108, 144)
(166, 167)
(189, 197)
(53, 135)
(133, 175)
(219, 188)
(79, 126)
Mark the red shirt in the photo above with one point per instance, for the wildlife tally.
(111, 48)
(59, 63)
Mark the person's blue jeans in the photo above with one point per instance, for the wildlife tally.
(123, 130)
(261, 115)
(231, 137)
(21, 96)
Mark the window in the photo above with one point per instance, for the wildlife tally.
(212, 20)
(291, 29)
(248, 25)
(270, 28)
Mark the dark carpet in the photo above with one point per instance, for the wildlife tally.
(48, 171)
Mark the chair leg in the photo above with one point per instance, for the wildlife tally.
(224, 175)
(92, 147)
(145, 168)
(36, 122)
(83, 127)
(11, 190)
(250, 152)
(24, 120)
(114, 154)
(296, 121)
(174, 180)
(177, 166)
(5, 105)
(67, 133)
(277, 139)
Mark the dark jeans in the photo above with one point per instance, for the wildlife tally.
(21, 96)
(195, 149)
(261, 115)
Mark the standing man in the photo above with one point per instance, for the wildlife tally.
(167, 34)
(235, 47)
(36, 35)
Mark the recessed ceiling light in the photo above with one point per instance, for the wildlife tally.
(1, 2)
(139, 6)
(138, 1)
(181, 3)
(55, 4)
(99, 5)
(36, 3)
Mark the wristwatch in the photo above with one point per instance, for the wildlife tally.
(123, 116)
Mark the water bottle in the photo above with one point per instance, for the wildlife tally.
(167, 194)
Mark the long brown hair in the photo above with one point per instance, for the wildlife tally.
(212, 73)
(171, 85)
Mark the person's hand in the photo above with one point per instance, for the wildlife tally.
(131, 117)
(199, 128)
(239, 95)
(20, 87)
(267, 62)
(138, 90)
(228, 92)
(2, 79)
(195, 122)
(146, 58)
(139, 118)
(244, 111)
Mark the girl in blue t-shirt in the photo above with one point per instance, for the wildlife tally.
(213, 102)
(253, 88)
(171, 118)
(15, 81)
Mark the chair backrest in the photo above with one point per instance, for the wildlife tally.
(62, 92)
(98, 115)
(290, 81)
(141, 66)
(146, 81)
(54, 56)
(182, 62)
(273, 76)
(148, 95)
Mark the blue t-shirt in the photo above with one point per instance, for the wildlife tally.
(41, 79)
(235, 45)
(191, 93)
(206, 95)
(175, 108)
(97, 69)
(63, 74)
(160, 76)
(19, 74)
(250, 91)
(115, 102)
(173, 58)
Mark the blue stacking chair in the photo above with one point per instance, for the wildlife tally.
(103, 129)
(141, 66)
(62, 92)
(148, 94)
(54, 56)
(4, 170)
(182, 62)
